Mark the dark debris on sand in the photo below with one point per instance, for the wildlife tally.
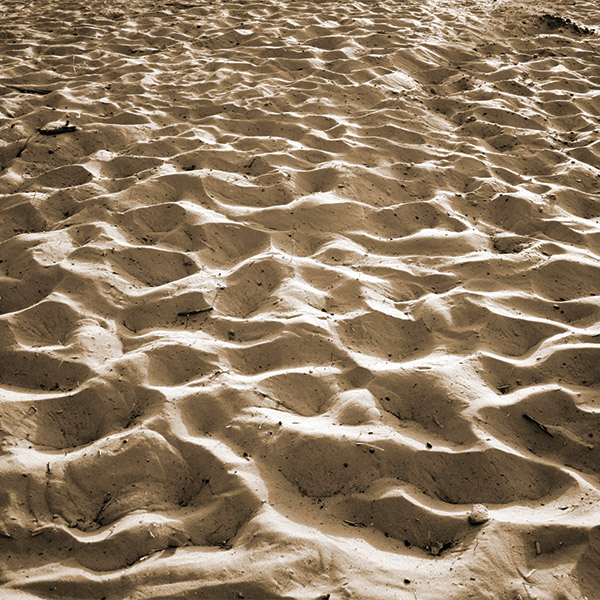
(558, 22)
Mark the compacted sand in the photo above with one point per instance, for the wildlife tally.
(300, 299)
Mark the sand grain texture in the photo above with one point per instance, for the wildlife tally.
(300, 299)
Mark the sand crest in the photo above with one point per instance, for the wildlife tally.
(300, 299)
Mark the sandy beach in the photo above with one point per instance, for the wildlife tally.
(300, 299)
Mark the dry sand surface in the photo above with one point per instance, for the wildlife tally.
(300, 299)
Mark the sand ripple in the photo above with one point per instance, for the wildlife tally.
(288, 289)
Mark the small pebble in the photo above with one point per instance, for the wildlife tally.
(479, 515)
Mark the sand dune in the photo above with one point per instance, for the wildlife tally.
(300, 299)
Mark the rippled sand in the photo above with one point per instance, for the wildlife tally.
(300, 299)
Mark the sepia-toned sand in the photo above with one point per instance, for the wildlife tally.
(300, 299)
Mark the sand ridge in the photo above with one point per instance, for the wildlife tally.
(299, 299)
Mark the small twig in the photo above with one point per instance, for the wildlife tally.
(217, 529)
(191, 313)
(8, 154)
(372, 446)
(537, 424)
(39, 531)
(26, 90)
(354, 524)
(66, 128)
(105, 503)
(127, 327)
(22, 148)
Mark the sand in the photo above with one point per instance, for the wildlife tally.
(300, 299)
